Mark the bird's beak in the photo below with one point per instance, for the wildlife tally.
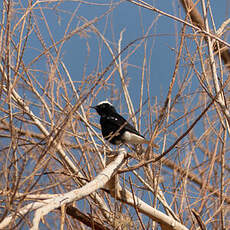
(92, 107)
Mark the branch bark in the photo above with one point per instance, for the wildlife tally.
(197, 20)
(99, 182)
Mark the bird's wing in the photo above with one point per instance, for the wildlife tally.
(118, 120)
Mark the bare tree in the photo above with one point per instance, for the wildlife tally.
(57, 172)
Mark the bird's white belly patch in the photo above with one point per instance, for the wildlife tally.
(131, 138)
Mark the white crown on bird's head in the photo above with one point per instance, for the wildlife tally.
(105, 102)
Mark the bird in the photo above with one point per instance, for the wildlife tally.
(116, 129)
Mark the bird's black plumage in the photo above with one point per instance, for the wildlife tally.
(115, 128)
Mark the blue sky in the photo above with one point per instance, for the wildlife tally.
(85, 55)
(161, 47)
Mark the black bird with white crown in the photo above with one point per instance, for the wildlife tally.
(115, 128)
